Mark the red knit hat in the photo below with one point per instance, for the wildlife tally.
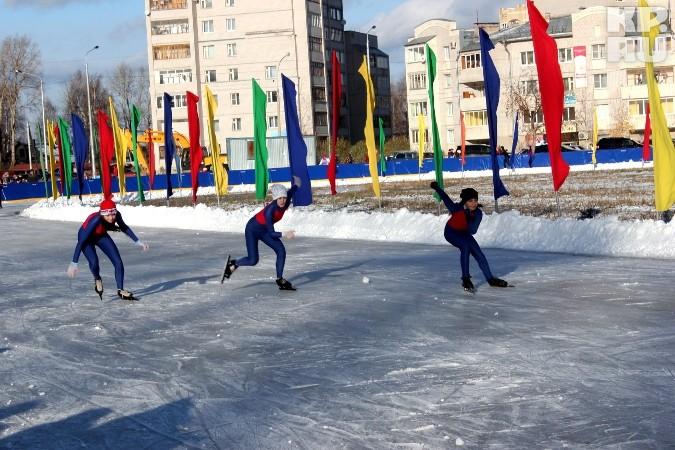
(107, 207)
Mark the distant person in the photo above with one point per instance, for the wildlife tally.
(94, 233)
(350, 158)
(507, 157)
(2, 191)
(324, 160)
(530, 159)
(465, 218)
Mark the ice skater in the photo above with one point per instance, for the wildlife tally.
(261, 228)
(94, 233)
(465, 218)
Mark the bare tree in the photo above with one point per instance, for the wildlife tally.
(621, 124)
(19, 56)
(525, 99)
(76, 96)
(128, 87)
(399, 108)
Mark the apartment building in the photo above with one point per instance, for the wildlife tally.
(603, 75)
(226, 43)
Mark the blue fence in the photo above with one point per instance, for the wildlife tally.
(17, 191)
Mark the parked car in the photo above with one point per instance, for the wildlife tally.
(616, 142)
(473, 150)
(407, 155)
(543, 148)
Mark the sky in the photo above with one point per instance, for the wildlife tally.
(66, 29)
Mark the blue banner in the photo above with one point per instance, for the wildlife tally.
(297, 150)
(80, 148)
(169, 145)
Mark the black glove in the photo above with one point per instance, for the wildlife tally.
(433, 185)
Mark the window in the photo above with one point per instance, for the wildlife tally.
(600, 80)
(663, 44)
(315, 44)
(334, 34)
(232, 49)
(633, 45)
(318, 94)
(170, 27)
(320, 119)
(175, 76)
(529, 87)
(639, 107)
(416, 136)
(568, 114)
(471, 61)
(527, 58)
(381, 62)
(568, 83)
(564, 55)
(417, 108)
(234, 98)
(415, 54)
(417, 80)
(208, 51)
(216, 126)
(207, 26)
(446, 52)
(273, 121)
(535, 116)
(448, 81)
(315, 20)
(316, 69)
(475, 118)
(599, 51)
(229, 2)
(177, 101)
(230, 24)
(450, 137)
(236, 124)
(210, 76)
(335, 13)
(234, 74)
(270, 72)
(206, 4)
(271, 96)
(451, 110)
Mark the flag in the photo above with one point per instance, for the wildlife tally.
(595, 134)
(195, 143)
(219, 173)
(297, 149)
(664, 153)
(515, 142)
(52, 163)
(462, 134)
(62, 170)
(151, 159)
(435, 138)
(135, 120)
(336, 82)
(260, 140)
(80, 145)
(383, 164)
(492, 88)
(646, 150)
(551, 90)
(368, 131)
(169, 145)
(421, 137)
(107, 146)
(67, 161)
(120, 149)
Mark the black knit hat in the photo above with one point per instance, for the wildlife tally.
(468, 194)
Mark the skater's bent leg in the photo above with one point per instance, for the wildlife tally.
(92, 258)
(278, 247)
(480, 258)
(459, 240)
(107, 245)
(251, 248)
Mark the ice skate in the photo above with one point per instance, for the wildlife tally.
(98, 288)
(498, 282)
(285, 285)
(125, 295)
(468, 285)
(230, 267)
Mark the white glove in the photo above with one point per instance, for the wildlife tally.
(297, 181)
(290, 234)
(143, 245)
(72, 270)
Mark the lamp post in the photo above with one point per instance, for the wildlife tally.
(278, 91)
(91, 129)
(44, 125)
(370, 80)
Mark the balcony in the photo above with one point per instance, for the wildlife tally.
(477, 133)
(165, 52)
(163, 5)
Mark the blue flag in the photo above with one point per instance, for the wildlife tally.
(169, 145)
(80, 147)
(491, 77)
(515, 141)
(297, 149)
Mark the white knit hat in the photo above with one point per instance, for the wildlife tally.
(278, 191)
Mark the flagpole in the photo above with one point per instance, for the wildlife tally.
(557, 203)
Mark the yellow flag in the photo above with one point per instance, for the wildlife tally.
(51, 140)
(422, 135)
(120, 147)
(664, 153)
(368, 130)
(595, 135)
(219, 173)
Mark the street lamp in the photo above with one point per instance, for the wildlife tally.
(44, 125)
(278, 91)
(91, 129)
(368, 47)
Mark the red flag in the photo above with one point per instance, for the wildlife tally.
(551, 89)
(195, 147)
(107, 146)
(62, 171)
(151, 159)
(336, 78)
(462, 131)
(648, 134)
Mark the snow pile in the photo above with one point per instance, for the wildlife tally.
(510, 230)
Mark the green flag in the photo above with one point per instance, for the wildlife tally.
(135, 120)
(67, 159)
(260, 141)
(436, 140)
(383, 165)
